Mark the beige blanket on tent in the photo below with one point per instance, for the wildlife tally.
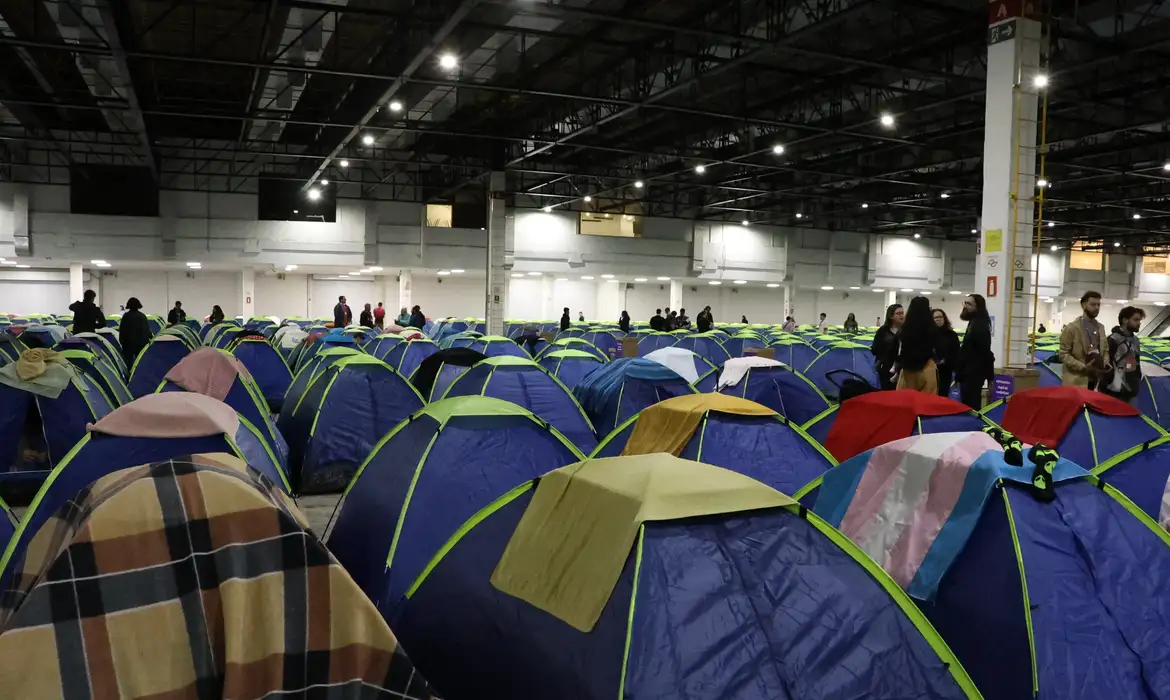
(568, 551)
(38, 371)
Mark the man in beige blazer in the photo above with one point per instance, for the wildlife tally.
(1080, 346)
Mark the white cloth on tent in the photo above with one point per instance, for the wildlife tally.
(681, 360)
(290, 336)
(735, 369)
(1149, 369)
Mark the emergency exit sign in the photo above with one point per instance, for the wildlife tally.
(1003, 10)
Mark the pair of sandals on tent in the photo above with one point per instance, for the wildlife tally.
(1043, 459)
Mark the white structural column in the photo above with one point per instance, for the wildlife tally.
(891, 299)
(248, 292)
(405, 296)
(1005, 267)
(676, 300)
(77, 283)
(548, 302)
(497, 258)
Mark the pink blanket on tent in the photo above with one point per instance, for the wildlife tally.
(173, 414)
(207, 371)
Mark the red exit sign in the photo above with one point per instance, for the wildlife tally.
(1003, 10)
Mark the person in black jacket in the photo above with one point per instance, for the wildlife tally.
(87, 316)
(367, 317)
(976, 360)
(565, 321)
(216, 316)
(916, 343)
(885, 344)
(341, 313)
(946, 346)
(177, 315)
(704, 320)
(657, 321)
(133, 331)
(624, 322)
(417, 318)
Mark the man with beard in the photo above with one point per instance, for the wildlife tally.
(1125, 356)
(976, 365)
(1080, 346)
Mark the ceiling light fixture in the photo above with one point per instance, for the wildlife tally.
(1055, 248)
(535, 274)
(324, 183)
(954, 292)
(773, 285)
(314, 194)
(827, 288)
(105, 264)
(1116, 244)
(588, 198)
(194, 264)
(1042, 182)
(587, 278)
(1051, 224)
(887, 120)
(547, 210)
(368, 139)
(1123, 301)
(289, 268)
(855, 288)
(517, 275)
(639, 184)
(924, 293)
(562, 279)
(296, 211)
(458, 271)
(663, 279)
(607, 277)
(700, 169)
(945, 195)
(395, 106)
(639, 279)
(343, 163)
(448, 61)
(1166, 166)
(907, 290)
(1040, 81)
(714, 283)
(918, 235)
(1137, 216)
(1159, 303)
(94, 262)
(864, 205)
(375, 269)
(799, 215)
(443, 273)
(740, 282)
(745, 222)
(777, 150)
(974, 230)
(23, 267)
(879, 291)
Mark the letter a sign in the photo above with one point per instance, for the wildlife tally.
(1003, 10)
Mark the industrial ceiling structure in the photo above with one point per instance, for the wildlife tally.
(862, 115)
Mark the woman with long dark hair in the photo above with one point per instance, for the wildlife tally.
(946, 351)
(884, 343)
(976, 364)
(915, 365)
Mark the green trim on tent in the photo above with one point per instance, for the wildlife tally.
(1023, 589)
(418, 468)
(566, 354)
(630, 617)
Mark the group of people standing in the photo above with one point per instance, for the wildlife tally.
(1109, 364)
(917, 349)
(376, 317)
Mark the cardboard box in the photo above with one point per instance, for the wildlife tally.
(766, 353)
(629, 347)
(1012, 380)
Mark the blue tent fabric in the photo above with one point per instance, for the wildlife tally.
(691, 607)
(381, 346)
(608, 342)
(1143, 475)
(796, 355)
(340, 417)
(766, 448)
(570, 367)
(105, 376)
(311, 370)
(429, 476)
(406, 357)
(1153, 399)
(156, 359)
(855, 358)
(267, 368)
(738, 345)
(616, 392)
(527, 384)
(783, 390)
(706, 346)
(498, 347)
(708, 383)
(654, 341)
(573, 344)
(63, 419)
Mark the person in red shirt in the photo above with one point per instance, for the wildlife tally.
(380, 316)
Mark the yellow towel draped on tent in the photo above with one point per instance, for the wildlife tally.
(668, 426)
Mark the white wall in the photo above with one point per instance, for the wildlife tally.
(159, 290)
(282, 297)
(26, 295)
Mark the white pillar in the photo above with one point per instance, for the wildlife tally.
(496, 290)
(1005, 268)
(248, 292)
(676, 300)
(405, 296)
(77, 283)
(787, 300)
(388, 295)
(548, 301)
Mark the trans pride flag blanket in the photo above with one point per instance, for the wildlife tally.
(912, 504)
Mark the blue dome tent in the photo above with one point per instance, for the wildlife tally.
(664, 607)
(873, 419)
(345, 410)
(841, 356)
(571, 366)
(381, 346)
(772, 384)
(312, 369)
(608, 342)
(45, 336)
(106, 377)
(573, 344)
(707, 346)
(689, 365)
(498, 346)
(38, 420)
(460, 340)
(727, 432)
(738, 345)
(1085, 426)
(103, 345)
(406, 357)
(10, 348)
(1153, 398)
(216, 373)
(153, 363)
(1142, 473)
(794, 352)
(650, 341)
(416, 489)
(267, 368)
(528, 385)
(616, 392)
(150, 429)
(439, 371)
(1060, 591)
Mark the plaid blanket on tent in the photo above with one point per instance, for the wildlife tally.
(191, 578)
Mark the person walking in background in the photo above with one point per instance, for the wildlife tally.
(87, 316)
(581, 316)
(672, 321)
(1080, 346)
(134, 331)
(565, 322)
(743, 319)
(341, 313)
(417, 319)
(914, 362)
(1125, 356)
(1041, 329)
(705, 320)
(657, 321)
(850, 324)
(976, 365)
(885, 342)
(380, 316)
(823, 326)
(789, 324)
(530, 337)
(403, 317)
(946, 351)
(176, 315)
(683, 321)
(366, 318)
(216, 316)
(624, 322)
